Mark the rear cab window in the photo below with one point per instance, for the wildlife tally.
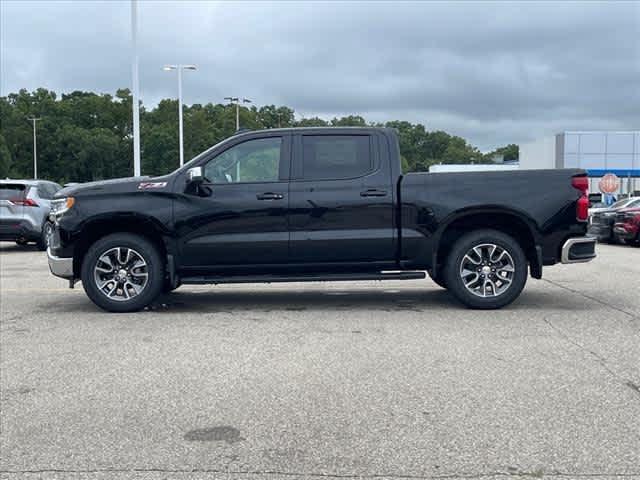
(335, 157)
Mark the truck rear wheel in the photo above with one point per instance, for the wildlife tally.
(486, 269)
(122, 272)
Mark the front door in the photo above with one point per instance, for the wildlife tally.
(238, 216)
(341, 206)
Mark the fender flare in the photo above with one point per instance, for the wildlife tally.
(535, 258)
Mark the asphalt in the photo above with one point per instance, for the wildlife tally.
(345, 380)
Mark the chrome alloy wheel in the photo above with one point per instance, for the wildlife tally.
(487, 270)
(121, 273)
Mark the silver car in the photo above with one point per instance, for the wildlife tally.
(24, 211)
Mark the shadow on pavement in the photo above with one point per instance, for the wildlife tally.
(384, 299)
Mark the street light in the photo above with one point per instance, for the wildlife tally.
(236, 100)
(35, 147)
(180, 68)
(135, 87)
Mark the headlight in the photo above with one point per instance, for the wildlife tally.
(61, 205)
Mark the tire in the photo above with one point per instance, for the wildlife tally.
(500, 277)
(168, 288)
(43, 241)
(22, 242)
(439, 279)
(116, 261)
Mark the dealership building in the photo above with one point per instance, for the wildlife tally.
(597, 152)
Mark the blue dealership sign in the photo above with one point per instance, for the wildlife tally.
(622, 173)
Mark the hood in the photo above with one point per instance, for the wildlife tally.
(629, 210)
(115, 185)
(602, 211)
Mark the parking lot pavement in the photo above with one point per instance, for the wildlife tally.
(361, 380)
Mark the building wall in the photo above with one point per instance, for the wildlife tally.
(601, 152)
(539, 154)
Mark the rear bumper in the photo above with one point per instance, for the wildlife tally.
(579, 250)
(18, 229)
(621, 230)
(60, 266)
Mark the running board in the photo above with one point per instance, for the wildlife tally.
(329, 277)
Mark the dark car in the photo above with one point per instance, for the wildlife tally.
(602, 219)
(626, 227)
(315, 204)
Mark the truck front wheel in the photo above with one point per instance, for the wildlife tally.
(122, 272)
(486, 269)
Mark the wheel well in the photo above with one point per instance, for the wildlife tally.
(101, 228)
(509, 224)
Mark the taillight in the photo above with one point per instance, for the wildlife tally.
(580, 183)
(582, 208)
(25, 202)
(582, 205)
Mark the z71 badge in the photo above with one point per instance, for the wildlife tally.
(150, 185)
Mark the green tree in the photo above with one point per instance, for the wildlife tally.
(85, 136)
(509, 152)
(5, 158)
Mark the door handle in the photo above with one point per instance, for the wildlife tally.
(373, 192)
(269, 196)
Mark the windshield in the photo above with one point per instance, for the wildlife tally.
(195, 159)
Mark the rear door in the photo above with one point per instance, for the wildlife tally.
(12, 196)
(341, 200)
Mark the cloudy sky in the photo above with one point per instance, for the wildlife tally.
(492, 72)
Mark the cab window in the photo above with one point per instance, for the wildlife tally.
(331, 157)
(252, 161)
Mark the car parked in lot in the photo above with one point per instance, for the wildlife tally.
(317, 204)
(24, 211)
(601, 220)
(626, 228)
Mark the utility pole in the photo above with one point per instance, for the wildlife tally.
(236, 100)
(180, 68)
(35, 147)
(135, 87)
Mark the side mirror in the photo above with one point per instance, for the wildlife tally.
(195, 175)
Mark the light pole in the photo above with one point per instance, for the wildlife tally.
(135, 81)
(35, 147)
(179, 68)
(236, 100)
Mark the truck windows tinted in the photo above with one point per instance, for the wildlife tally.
(329, 157)
(252, 161)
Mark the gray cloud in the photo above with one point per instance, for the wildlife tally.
(492, 72)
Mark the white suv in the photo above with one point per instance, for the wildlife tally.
(24, 211)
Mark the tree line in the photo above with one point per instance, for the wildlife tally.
(85, 136)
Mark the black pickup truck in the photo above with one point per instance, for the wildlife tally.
(315, 204)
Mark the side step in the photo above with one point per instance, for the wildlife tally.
(329, 277)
